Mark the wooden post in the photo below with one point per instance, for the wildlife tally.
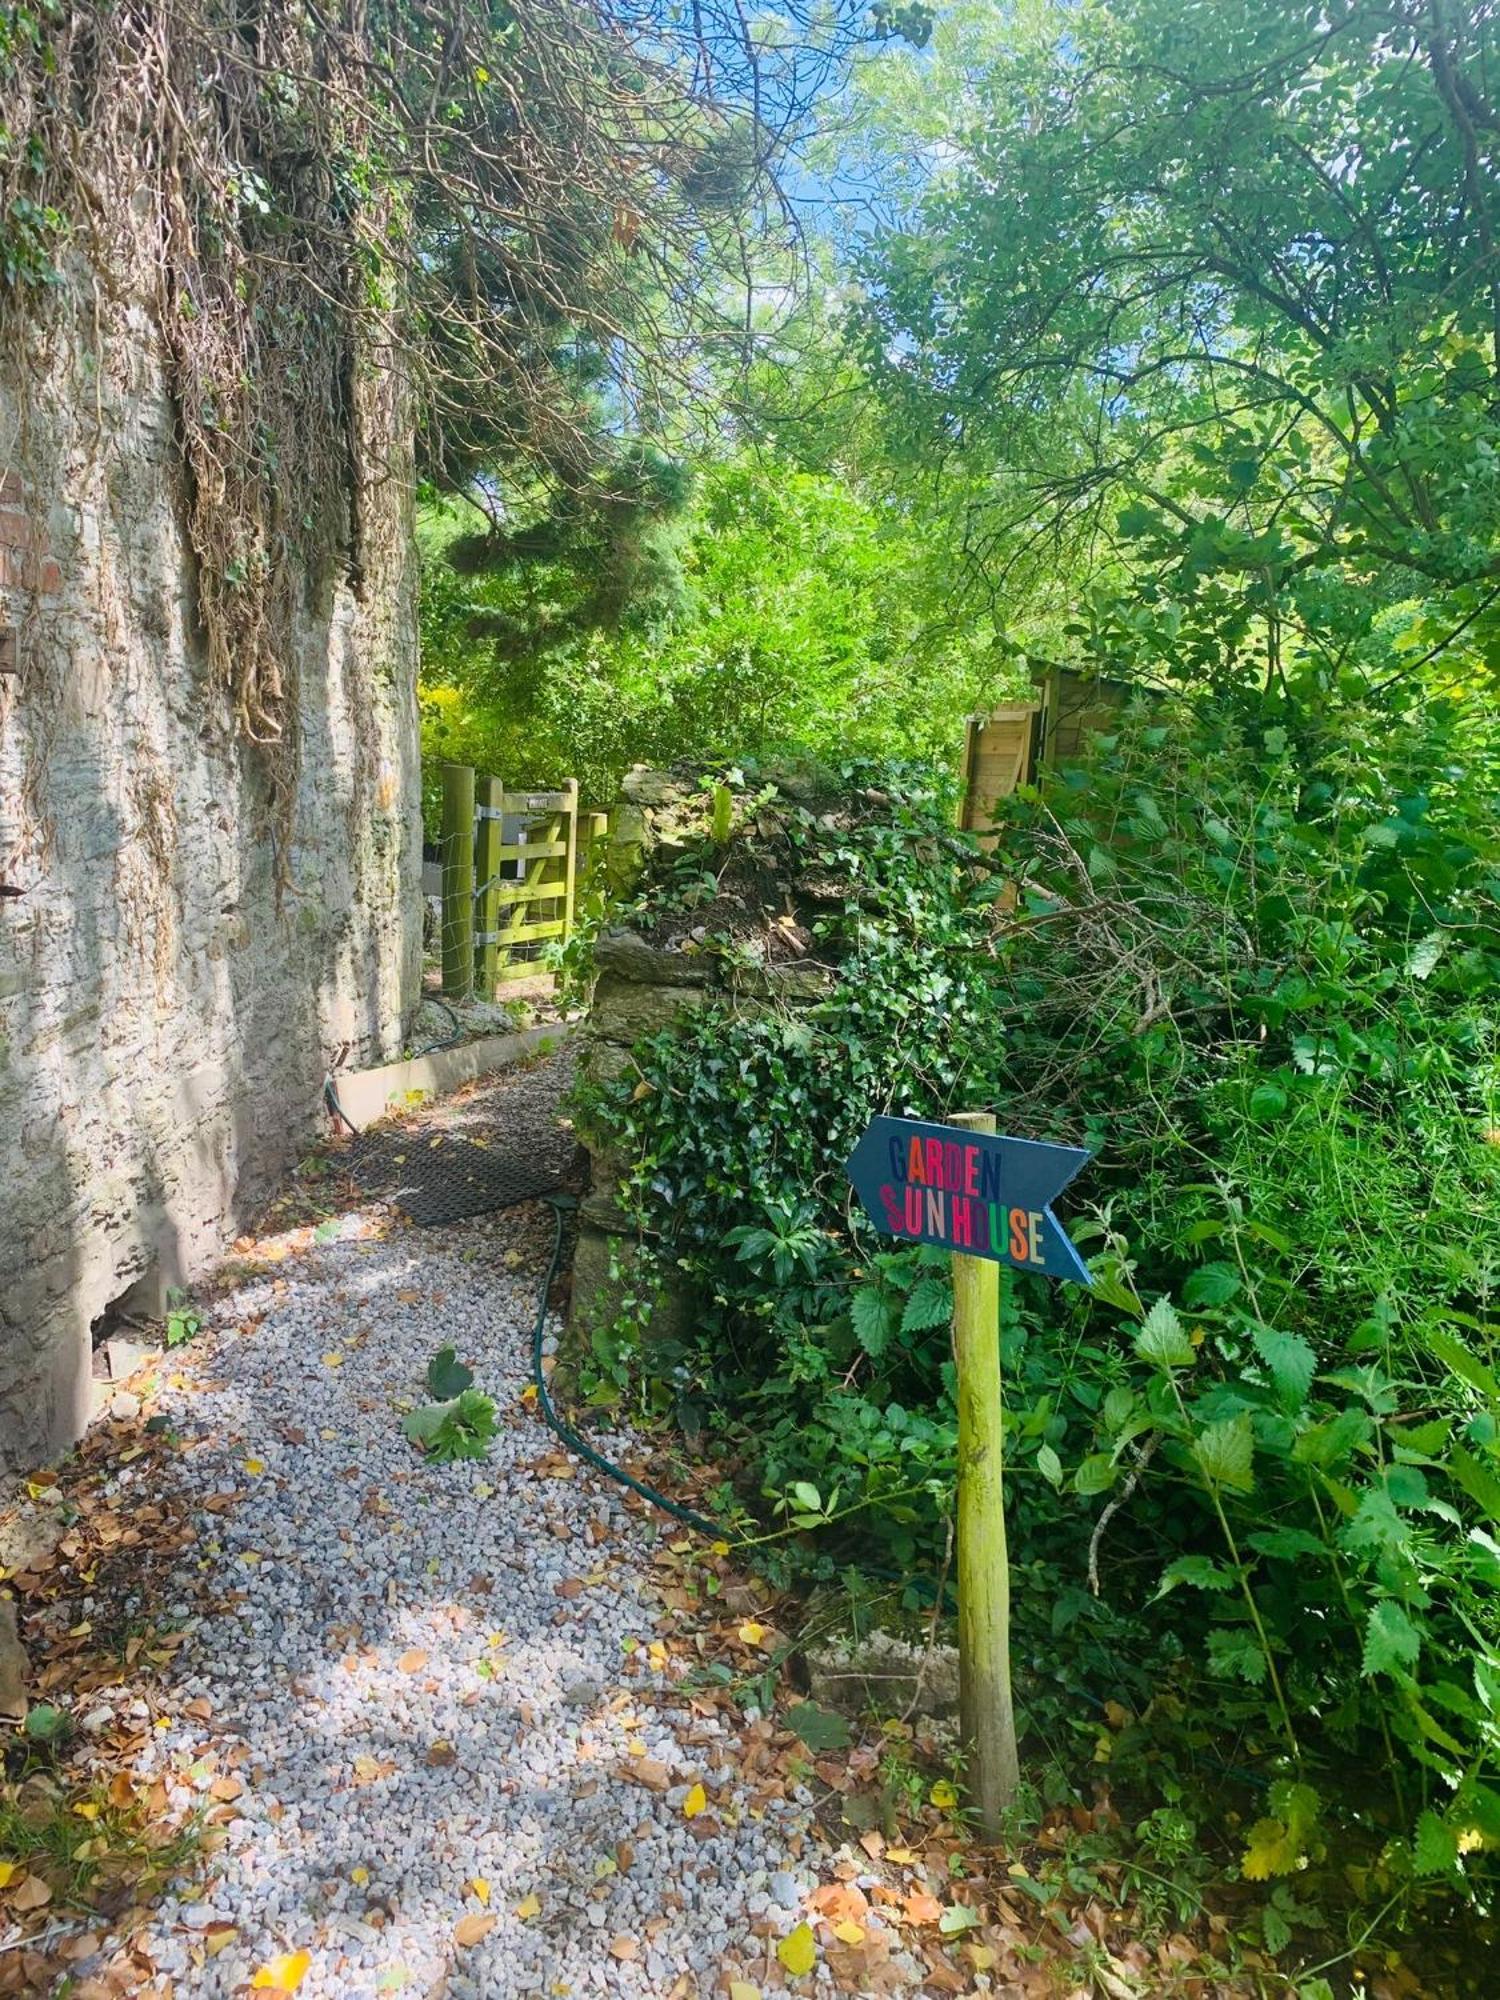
(723, 815)
(458, 881)
(987, 1717)
(570, 859)
(491, 793)
(973, 729)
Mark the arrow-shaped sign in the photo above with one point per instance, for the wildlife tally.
(975, 1193)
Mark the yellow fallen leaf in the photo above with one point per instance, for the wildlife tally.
(694, 1803)
(470, 1929)
(7, 1873)
(480, 1888)
(88, 1810)
(333, 1359)
(849, 1932)
(635, 1747)
(719, 1548)
(284, 1974)
(741, 1989)
(752, 1632)
(656, 1652)
(983, 1955)
(359, 1876)
(529, 1906)
(217, 1937)
(943, 1795)
(899, 1854)
(255, 1467)
(797, 1951)
(328, 1436)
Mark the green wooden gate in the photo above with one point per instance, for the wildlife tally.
(504, 900)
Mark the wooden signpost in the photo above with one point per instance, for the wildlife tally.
(987, 1199)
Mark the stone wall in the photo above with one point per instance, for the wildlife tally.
(169, 998)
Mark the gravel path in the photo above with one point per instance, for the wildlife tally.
(463, 1771)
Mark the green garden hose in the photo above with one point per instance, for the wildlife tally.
(560, 1204)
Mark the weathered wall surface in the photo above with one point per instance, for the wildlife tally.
(167, 1011)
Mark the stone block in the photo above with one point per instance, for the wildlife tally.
(625, 954)
(626, 1011)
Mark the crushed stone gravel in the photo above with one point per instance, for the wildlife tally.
(381, 1651)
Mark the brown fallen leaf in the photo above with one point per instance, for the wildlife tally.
(650, 1772)
(476, 1925)
(226, 1789)
(625, 1947)
(412, 1662)
(30, 1893)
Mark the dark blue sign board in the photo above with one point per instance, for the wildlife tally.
(975, 1193)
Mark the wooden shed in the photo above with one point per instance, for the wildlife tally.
(1018, 740)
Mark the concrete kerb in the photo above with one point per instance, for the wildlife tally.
(370, 1094)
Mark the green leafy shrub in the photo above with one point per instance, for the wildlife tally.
(1252, 961)
(459, 1428)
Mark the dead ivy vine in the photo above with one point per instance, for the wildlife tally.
(493, 209)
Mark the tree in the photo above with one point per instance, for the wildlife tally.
(1217, 289)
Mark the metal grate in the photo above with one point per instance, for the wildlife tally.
(442, 1177)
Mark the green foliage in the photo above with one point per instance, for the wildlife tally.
(775, 607)
(447, 1376)
(1216, 326)
(459, 1428)
(1252, 963)
(183, 1318)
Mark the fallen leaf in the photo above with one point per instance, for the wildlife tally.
(359, 1876)
(741, 1989)
(984, 1956)
(943, 1795)
(899, 1854)
(797, 1951)
(30, 1893)
(694, 1803)
(284, 1974)
(476, 1925)
(412, 1662)
(651, 1773)
(529, 1906)
(218, 1936)
(752, 1633)
(226, 1789)
(333, 1359)
(480, 1888)
(7, 1873)
(625, 1947)
(922, 1908)
(849, 1932)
